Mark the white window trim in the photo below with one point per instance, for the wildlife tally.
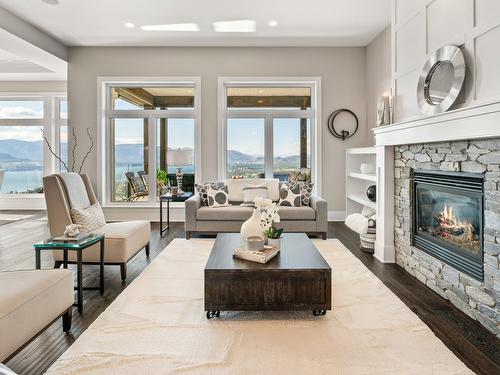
(104, 85)
(268, 113)
(50, 123)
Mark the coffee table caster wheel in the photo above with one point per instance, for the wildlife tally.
(213, 314)
(319, 312)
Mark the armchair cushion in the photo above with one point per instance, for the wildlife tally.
(29, 300)
(123, 241)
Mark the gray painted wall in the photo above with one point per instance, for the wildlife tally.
(343, 86)
(378, 76)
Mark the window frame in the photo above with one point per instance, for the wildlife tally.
(314, 114)
(104, 134)
(51, 123)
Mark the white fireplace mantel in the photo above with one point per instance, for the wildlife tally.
(478, 122)
(482, 121)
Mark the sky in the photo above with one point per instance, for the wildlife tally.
(244, 135)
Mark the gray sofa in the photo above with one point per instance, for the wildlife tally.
(200, 219)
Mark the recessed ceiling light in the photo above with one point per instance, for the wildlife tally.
(51, 2)
(273, 23)
(130, 25)
(240, 26)
(172, 27)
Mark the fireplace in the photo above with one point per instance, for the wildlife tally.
(448, 218)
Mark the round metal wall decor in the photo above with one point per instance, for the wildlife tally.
(441, 80)
(342, 134)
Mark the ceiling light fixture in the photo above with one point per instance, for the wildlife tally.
(240, 26)
(51, 2)
(172, 27)
(273, 23)
(130, 25)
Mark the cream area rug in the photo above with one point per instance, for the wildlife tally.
(158, 326)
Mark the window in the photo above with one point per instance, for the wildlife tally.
(151, 136)
(245, 147)
(23, 161)
(130, 155)
(268, 128)
(291, 146)
(175, 144)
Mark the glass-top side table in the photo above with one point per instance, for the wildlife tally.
(170, 198)
(79, 247)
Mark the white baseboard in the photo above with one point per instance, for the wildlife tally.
(336, 215)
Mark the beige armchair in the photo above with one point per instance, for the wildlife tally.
(123, 240)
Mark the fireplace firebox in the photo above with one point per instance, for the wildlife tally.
(448, 218)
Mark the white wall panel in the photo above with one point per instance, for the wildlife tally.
(406, 96)
(488, 64)
(446, 19)
(486, 10)
(406, 9)
(410, 44)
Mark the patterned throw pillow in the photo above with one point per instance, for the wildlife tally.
(89, 218)
(218, 196)
(290, 195)
(202, 189)
(306, 189)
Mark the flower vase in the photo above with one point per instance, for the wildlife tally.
(251, 227)
(275, 242)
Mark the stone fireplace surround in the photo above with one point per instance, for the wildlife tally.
(465, 139)
(478, 300)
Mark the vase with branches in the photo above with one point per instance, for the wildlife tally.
(73, 152)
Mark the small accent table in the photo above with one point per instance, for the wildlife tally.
(79, 247)
(170, 198)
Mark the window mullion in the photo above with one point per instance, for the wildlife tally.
(268, 150)
(152, 159)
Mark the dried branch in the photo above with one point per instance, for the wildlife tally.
(52, 151)
(88, 152)
(73, 151)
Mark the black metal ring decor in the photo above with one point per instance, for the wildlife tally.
(343, 134)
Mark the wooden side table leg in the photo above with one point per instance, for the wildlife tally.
(65, 258)
(79, 285)
(37, 259)
(101, 283)
(168, 214)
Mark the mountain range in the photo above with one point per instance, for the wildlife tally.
(14, 150)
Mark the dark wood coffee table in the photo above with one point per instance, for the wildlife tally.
(298, 278)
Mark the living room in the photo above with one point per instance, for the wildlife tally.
(316, 187)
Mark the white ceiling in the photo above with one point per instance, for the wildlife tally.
(300, 22)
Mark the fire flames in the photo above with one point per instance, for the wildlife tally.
(450, 225)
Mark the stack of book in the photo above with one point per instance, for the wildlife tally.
(260, 256)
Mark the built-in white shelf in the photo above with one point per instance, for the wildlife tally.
(361, 200)
(361, 151)
(361, 176)
(357, 183)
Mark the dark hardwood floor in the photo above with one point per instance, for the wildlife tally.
(470, 342)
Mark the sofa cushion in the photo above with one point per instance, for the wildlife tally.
(296, 213)
(237, 213)
(122, 241)
(29, 300)
(236, 188)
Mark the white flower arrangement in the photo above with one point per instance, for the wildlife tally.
(268, 217)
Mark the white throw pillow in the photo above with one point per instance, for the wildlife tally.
(251, 192)
(89, 218)
(290, 196)
(218, 196)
